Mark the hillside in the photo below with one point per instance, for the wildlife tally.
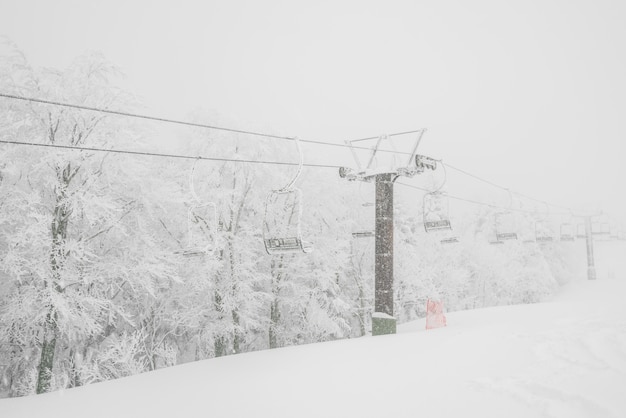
(562, 358)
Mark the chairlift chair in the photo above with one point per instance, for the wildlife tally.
(201, 230)
(581, 231)
(567, 232)
(495, 241)
(528, 238)
(601, 230)
(363, 234)
(543, 232)
(437, 216)
(505, 226)
(201, 224)
(526, 228)
(596, 228)
(281, 223)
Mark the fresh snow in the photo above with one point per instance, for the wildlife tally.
(562, 358)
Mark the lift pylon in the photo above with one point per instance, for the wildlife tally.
(384, 175)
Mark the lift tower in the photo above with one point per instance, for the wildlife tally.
(384, 166)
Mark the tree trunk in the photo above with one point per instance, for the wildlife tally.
(220, 342)
(234, 312)
(58, 256)
(236, 334)
(75, 364)
(274, 307)
(48, 346)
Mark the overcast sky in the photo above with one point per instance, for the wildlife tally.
(529, 94)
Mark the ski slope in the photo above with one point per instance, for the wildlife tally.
(562, 358)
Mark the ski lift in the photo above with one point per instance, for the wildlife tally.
(614, 233)
(505, 226)
(450, 240)
(543, 228)
(363, 234)
(543, 232)
(201, 225)
(526, 228)
(436, 213)
(596, 228)
(581, 231)
(603, 230)
(281, 223)
(436, 217)
(366, 203)
(436, 208)
(567, 232)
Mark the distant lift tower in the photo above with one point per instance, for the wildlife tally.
(385, 163)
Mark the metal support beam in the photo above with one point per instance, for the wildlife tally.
(383, 293)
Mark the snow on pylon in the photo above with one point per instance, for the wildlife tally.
(434, 314)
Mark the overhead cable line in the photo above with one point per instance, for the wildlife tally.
(195, 124)
(502, 187)
(139, 116)
(475, 202)
(190, 157)
(164, 155)
(260, 134)
(474, 176)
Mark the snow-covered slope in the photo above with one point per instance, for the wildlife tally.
(562, 358)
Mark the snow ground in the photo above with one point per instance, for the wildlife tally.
(562, 358)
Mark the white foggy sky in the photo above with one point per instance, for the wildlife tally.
(529, 94)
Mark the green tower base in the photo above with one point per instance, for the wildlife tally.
(383, 324)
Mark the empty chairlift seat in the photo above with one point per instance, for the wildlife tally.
(596, 228)
(437, 216)
(281, 226)
(201, 225)
(527, 229)
(281, 223)
(543, 231)
(201, 230)
(567, 232)
(505, 226)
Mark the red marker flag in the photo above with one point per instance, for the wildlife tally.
(434, 314)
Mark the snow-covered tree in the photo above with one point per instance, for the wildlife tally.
(70, 222)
